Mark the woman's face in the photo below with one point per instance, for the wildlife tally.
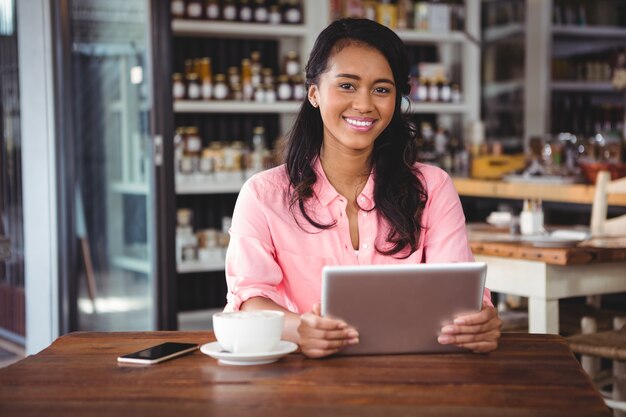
(356, 98)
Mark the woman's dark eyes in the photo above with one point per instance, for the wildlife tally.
(379, 90)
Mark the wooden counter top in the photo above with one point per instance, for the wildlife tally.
(561, 193)
(528, 375)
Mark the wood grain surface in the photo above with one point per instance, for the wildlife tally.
(529, 375)
(580, 255)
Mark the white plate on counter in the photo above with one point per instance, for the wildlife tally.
(215, 351)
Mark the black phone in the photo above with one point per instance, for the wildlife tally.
(158, 353)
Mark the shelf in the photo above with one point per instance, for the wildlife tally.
(138, 188)
(191, 106)
(413, 36)
(441, 108)
(198, 106)
(227, 185)
(198, 266)
(499, 33)
(562, 193)
(493, 89)
(583, 86)
(182, 27)
(589, 31)
(132, 264)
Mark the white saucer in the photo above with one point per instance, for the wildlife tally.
(214, 350)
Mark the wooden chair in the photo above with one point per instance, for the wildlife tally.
(604, 345)
(600, 225)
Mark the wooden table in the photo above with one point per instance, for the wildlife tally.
(545, 275)
(529, 375)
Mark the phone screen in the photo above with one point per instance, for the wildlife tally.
(159, 353)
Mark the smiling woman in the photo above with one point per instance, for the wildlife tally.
(351, 192)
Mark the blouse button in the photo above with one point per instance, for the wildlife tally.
(365, 246)
(365, 214)
(362, 199)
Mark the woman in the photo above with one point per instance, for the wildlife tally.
(351, 192)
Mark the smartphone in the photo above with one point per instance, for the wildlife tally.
(158, 353)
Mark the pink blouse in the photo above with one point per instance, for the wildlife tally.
(271, 256)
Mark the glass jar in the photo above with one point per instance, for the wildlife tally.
(245, 11)
(270, 93)
(246, 80)
(275, 17)
(456, 95)
(445, 91)
(268, 78)
(193, 143)
(433, 91)
(177, 9)
(422, 89)
(292, 64)
(261, 12)
(213, 9)
(299, 89)
(178, 86)
(206, 78)
(207, 162)
(259, 94)
(284, 90)
(236, 92)
(233, 76)
(194, 9)
(229, 10)
(184, 217)
(220, 89)
(216, 152)
(193, 86)
(256, 68)
(293, 12)
(237, 156)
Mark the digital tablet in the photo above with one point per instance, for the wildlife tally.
(401, 308)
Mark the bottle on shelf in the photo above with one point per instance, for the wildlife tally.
(291, 66)
(178, 87)
(246, 80)
(193, 87)
(213, 10)
(245, 11)
(194, 9)
(284, 90)
(261, 11)
(206, 78)
(275, 16)
(229, 10)
(177, 9)
(292, 12)
(220, 89)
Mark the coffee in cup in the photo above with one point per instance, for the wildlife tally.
(248, 331)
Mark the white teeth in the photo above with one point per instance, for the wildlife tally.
(358, 123)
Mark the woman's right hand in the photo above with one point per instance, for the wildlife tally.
(323, 336)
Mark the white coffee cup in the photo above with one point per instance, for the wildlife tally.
(248, 331)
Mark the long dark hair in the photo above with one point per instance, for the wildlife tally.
(399, 194)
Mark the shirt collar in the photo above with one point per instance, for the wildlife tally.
(326, 193)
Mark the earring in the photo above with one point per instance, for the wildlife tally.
(314, 104)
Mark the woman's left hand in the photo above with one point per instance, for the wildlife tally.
(478, 332)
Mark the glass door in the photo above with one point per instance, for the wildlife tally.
(12, 295)
(111, 273)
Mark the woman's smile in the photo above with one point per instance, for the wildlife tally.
(360, 124)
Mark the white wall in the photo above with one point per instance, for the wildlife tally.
(38, 173)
